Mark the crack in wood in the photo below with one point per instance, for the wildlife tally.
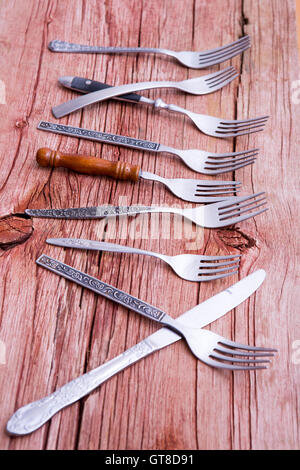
(233, 237)
(14, 230)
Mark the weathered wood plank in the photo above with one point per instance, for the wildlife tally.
(54, 331)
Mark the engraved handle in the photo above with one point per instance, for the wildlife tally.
(99, 212)
(32, 416)
(87, 165)
(98, 136)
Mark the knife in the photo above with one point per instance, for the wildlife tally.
(32, 416)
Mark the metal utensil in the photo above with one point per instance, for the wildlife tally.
(219, 214)
(198, 160)
(192, 190)
(195, 60)
(195, 86)
(187, 266)
(210, 348)
(210, 125)
(30, 417)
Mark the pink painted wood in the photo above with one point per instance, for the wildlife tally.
(51, 331)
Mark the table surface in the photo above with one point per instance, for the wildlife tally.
(51, 330)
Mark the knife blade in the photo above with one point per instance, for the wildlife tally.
(213, 308)
(32, 416)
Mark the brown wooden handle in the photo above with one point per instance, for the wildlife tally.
(88, 165)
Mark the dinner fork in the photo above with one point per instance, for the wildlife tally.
(187, 266)
(208, 163)
(209, 347)
(195, 86)
(195, 60)
(219, 214)
(209, 125)
(192, 190)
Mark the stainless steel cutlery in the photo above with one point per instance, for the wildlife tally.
(196, 60)
(33, 415)
(192, 190)
(209, 125)
(207, 346)
(198, 160)
(219, 214)
(195, 86)
(187, 266)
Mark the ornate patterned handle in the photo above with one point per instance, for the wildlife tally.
(100, 287)
(32, 416)
(99, 136)
(97, 212)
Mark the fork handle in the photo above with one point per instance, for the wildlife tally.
(104, 246)
(64, 46)
(87, 165)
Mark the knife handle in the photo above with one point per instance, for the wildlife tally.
(32, 416)
(87, 165)
(85, 85)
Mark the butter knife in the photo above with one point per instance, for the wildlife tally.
(33, 415)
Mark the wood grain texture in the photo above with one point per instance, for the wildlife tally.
(53, 330)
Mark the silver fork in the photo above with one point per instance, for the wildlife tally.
(187, 266)
(209, 347)
(195, 60)
(210, 125)
(219, 214)
(195, 86)
(198, 160)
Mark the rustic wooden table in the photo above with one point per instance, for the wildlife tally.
(51, 330)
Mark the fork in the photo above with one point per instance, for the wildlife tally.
(219, 214)
(209, 347)
(198, 160)
(195, 60)
(209, 125)
(192, 190)
(189, 267)
(195, 86)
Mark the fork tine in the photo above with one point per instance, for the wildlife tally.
(246, 210)
(221, 77)
(223, 56)
(212, 76)
(238, 219)
(233, 154)
(223, 53)
(216, 276)
(242, 353)
(239, 208)
(217, 258)
(234, 344)
(217, 270)
(236, 359)
(229, 163)
(236, 133)
(240, 199)
(216, 265)
(245, 121)
(237, 167)
(241, 126)
(222, 365)
(224, 83)
(244, 39)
